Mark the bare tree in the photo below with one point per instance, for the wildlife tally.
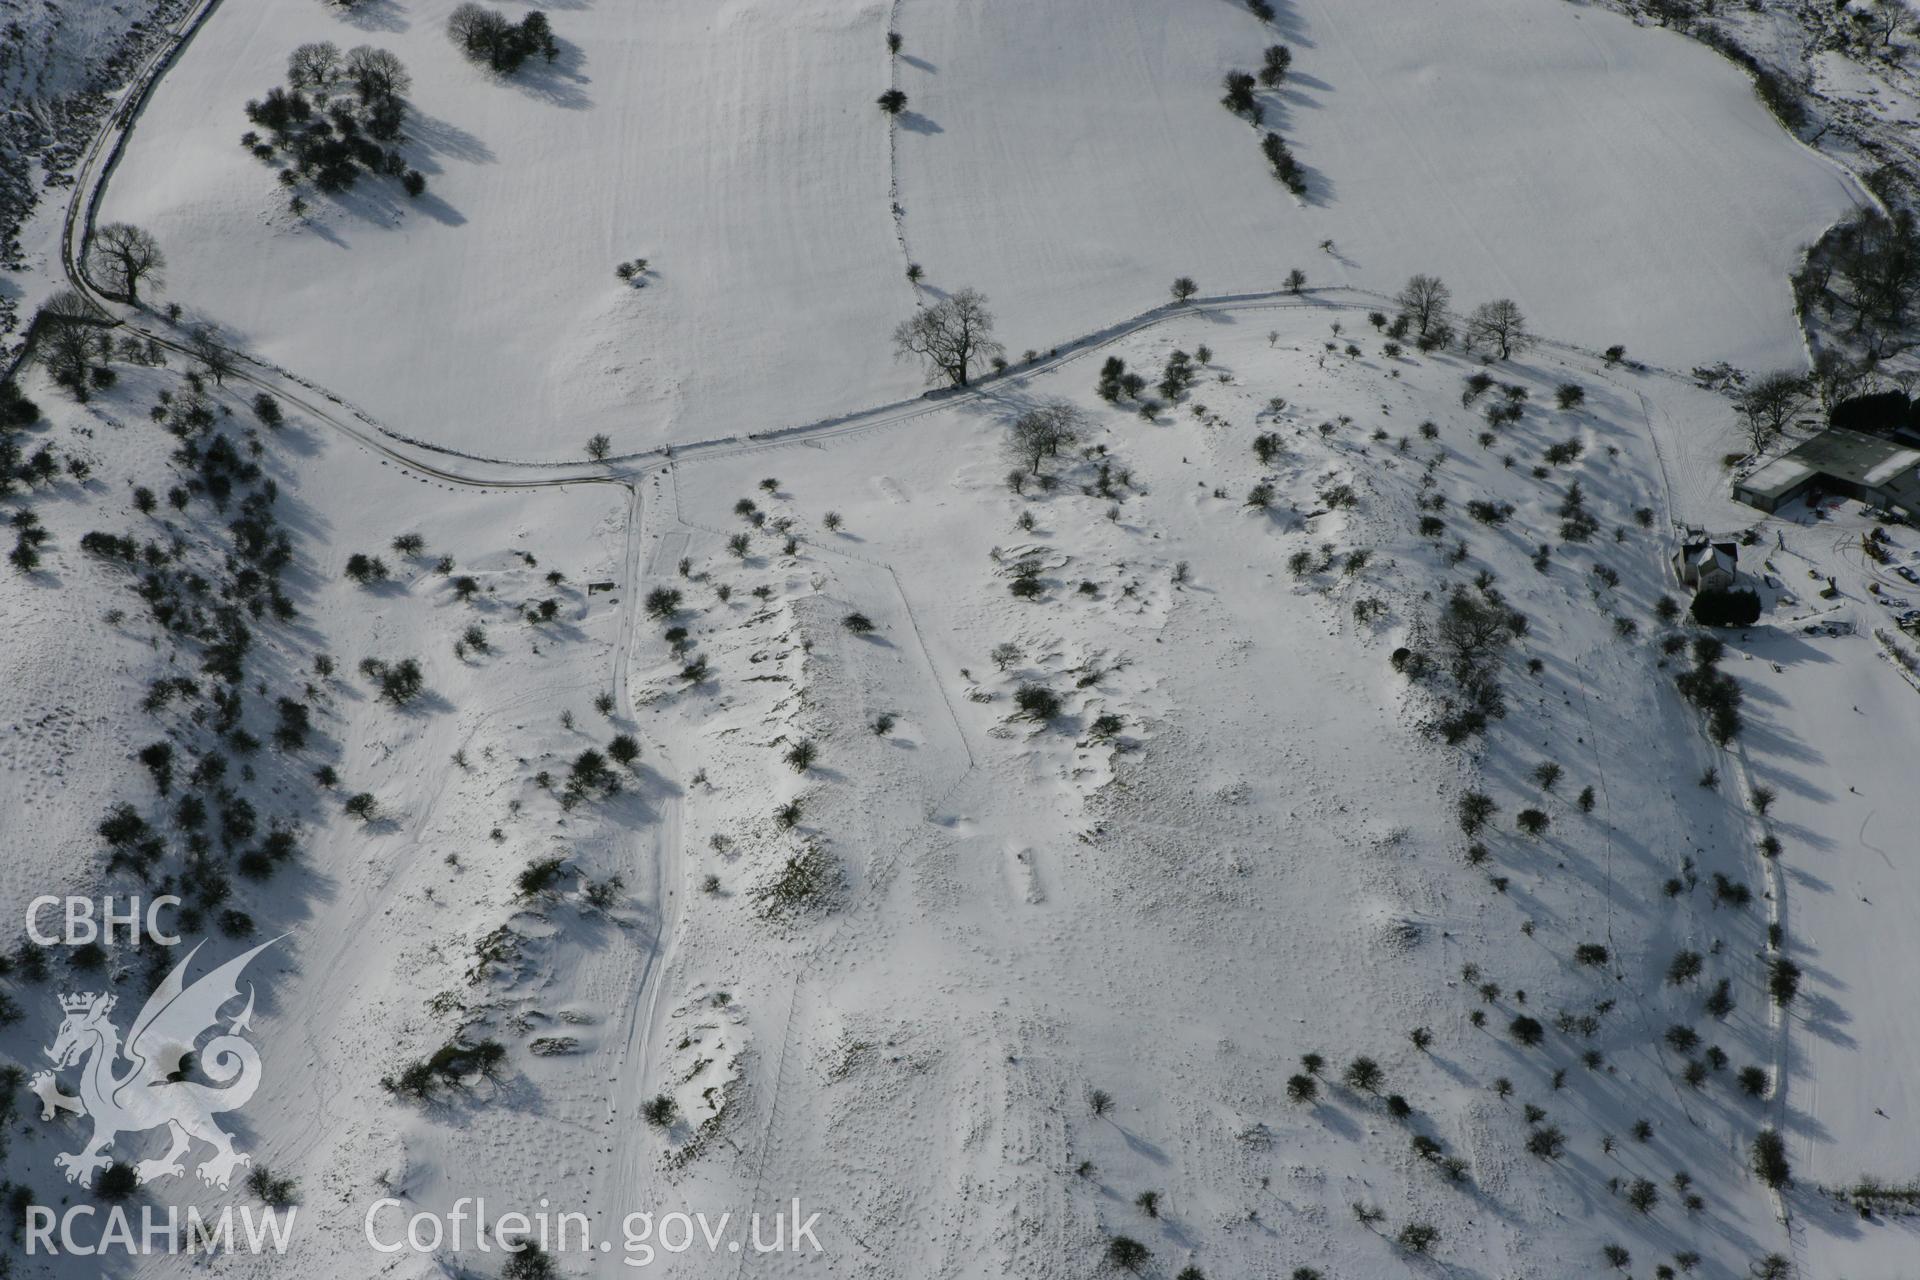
(1424, 301)
(1472, 633)
(470, 25)
(313, 65)
(1040, 432)
(1882, 20)
(125, 255)
(67, 305)
(1837, 378)
(69, 340)
(598, 447)
(1184, 288)
(377, 75)
(1498, 324)
(950, 337)
(1769, 402)
(485, 35)
(213, 357)
(1875, 271)
(68, 349)
(1026, 446)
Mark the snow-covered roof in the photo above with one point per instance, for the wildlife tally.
(1852, 456)
(1707, 554)
(1884, 471)
(1778, 476)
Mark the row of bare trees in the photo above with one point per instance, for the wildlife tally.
(73, 341)
(953, 337)
(486, 36)
(1496, 327)
(73, 337)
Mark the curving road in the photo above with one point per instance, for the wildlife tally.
(455, 467)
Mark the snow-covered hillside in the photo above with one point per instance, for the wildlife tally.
(1273, 829)
(1259, 859)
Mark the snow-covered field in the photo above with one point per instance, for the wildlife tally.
(736, 147)
(1067, 159)
(987, 988)
(1627, 189)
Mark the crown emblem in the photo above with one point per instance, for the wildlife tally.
(77, 1004)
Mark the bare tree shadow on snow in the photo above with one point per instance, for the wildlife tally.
(1140, 1146)
(1289, 24)
(379, 200)
(374, 15)
(1823, 1017)
(323, 232)
(1286, 22)
(437, 137)
(559, 82)
(1336, 1121)
(439, 210)
(1320, 188)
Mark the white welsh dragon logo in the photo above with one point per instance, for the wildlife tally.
(149, 1092)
